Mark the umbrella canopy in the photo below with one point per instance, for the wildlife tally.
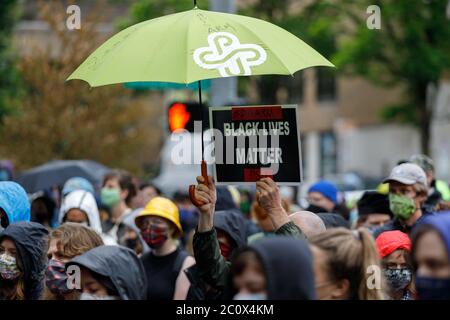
(59, 171)
(195, 45)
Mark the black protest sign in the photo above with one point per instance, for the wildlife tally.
(251, 142)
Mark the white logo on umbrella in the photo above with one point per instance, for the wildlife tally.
(226, 54)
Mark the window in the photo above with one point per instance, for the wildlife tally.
(326, 84)
(294, 88)
(328, 153)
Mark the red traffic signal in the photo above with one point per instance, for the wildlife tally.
(182, 115)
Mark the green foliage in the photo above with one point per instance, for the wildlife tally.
(149, 9)
(412, 49)
(10, 82)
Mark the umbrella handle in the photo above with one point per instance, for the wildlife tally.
(194, 200)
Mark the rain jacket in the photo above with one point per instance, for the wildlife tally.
(14, 201)
(288, 266)
(212, 267)
(31, 243)
(84, 201)
(121, 265)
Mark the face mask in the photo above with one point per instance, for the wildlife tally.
(250, 296)
(89, 296)
(56, 277)
(131, 243)
(371, 229)
(401, 206)
(315, 209)
(225, 250)
(433, 288)
(398, 279)
(110, 197)
(245, 207)
(8, 267)
(155, 237)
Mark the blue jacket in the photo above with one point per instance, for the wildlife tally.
(14, 201)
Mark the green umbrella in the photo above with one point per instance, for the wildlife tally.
(194, 45)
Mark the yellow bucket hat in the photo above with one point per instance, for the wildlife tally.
(161, 207)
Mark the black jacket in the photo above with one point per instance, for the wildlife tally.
(121, 265)
(31, 241)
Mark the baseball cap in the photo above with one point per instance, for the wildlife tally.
(407, 173)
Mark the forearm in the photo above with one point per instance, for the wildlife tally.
(278, 216)
(206, 221)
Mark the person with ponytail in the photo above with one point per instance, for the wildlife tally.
(346, 265)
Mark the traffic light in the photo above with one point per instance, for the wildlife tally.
(182, 115)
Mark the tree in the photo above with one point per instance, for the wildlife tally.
(412, 49)
(142, 10)
(309, 23)
(59, 120)
(10, 85)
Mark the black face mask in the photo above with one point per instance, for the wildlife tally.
(315, 209)
(131, 243)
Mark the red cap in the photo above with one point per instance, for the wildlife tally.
(389, 241)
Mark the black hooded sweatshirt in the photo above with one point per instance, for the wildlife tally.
(288, 265)
(31, 241)
(121, 265)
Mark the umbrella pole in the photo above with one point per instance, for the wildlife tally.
(204, 168)
(201, 107)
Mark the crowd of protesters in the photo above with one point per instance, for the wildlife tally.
(128, 241)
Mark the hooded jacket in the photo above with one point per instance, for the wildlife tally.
(233, 223)
(14, 201)
(287, 263)
(121, 265)
(31, 243)
(84, 201)
(440, 222)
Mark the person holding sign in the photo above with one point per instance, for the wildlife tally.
(213, 268)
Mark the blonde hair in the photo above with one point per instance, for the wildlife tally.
(350, 255)
(75, 239)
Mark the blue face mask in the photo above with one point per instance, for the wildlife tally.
(250, 296)
(433, 288)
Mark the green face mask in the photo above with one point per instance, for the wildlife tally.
(110, 197)
(401, 206)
